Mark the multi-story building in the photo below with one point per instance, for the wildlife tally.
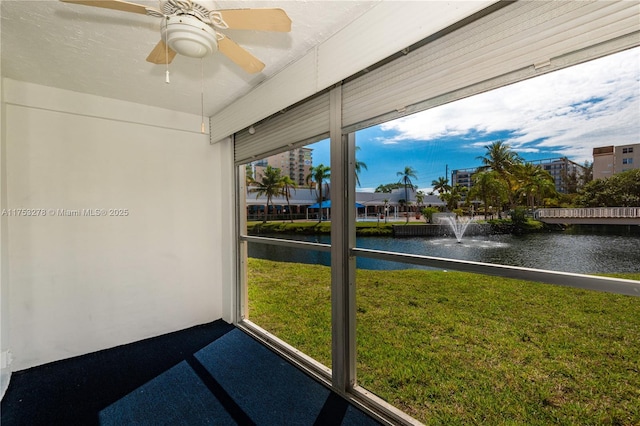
(296, 164)
(562, 170)
(609, 160)
(462, 177)
(603, 162)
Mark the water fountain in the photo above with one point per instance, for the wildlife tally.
(458, 226)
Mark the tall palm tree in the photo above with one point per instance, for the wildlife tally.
(316, 177)
(405, 180)
(420, 198)
(287, 184)
(359, 167)
(534, 183)
(453, 197)
(270, 185)
(248, 174)
(441, 185)
(500, 157)
(503, 160)
(489, 187)
(387, 188)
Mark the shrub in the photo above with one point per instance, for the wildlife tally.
(428, 213)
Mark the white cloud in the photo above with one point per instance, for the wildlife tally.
(572, 110)
(387, 141)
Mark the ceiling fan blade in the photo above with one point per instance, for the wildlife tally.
(113, 4)
(240, 56)
(257, 19)
(161, 54)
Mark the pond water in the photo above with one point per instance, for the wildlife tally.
(579, 253)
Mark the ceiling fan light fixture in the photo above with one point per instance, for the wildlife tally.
(189, 36)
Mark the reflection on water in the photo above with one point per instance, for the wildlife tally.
(467, 243)
(554, 251)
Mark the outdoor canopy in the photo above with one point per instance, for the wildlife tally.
(327, 205)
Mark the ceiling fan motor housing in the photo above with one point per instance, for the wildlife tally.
(189, 36)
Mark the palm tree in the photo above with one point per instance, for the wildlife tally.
(248, 174)
(489, 187)
(453, 197)
(405, 179)
(441, 185)
(387, 188)
(546, 188)
(287, 184)
(420, 198)
(270, 185)
(316, 178)
(503, 160)
(500, 157)
(359, 166)
(534, 183)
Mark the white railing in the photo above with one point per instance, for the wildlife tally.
(588, 282)
(590, 212)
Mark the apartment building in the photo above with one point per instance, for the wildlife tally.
(559, 168)
(463, 177)
(609, 160)
(296, 164)
(562, 169)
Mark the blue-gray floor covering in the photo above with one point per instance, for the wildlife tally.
(212, 375)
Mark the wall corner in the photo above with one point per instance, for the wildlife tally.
(5, 355)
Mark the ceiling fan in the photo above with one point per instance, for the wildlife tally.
(191, 29)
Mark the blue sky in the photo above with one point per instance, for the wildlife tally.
(564, 113)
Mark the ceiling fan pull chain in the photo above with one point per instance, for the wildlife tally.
(202, 129)
(216, 20)
(166, 52)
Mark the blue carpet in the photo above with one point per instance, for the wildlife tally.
(270, 390)
(213, 374)
(177, 397)
(233, 380)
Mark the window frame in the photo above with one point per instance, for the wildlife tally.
(342, 376)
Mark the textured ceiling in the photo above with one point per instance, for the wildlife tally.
(103, 52)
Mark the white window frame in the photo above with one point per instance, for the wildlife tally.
(341, 377)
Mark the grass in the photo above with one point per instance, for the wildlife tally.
(459, 348)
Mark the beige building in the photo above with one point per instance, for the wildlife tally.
(609, 160)
(296, 164)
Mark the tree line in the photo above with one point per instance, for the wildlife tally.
(505, 181)
(272, 183)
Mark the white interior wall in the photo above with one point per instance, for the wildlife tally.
(5, 370)
(83, 283)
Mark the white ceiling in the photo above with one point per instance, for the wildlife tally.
(102, 52)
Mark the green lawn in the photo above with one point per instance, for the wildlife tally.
(459, 348)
